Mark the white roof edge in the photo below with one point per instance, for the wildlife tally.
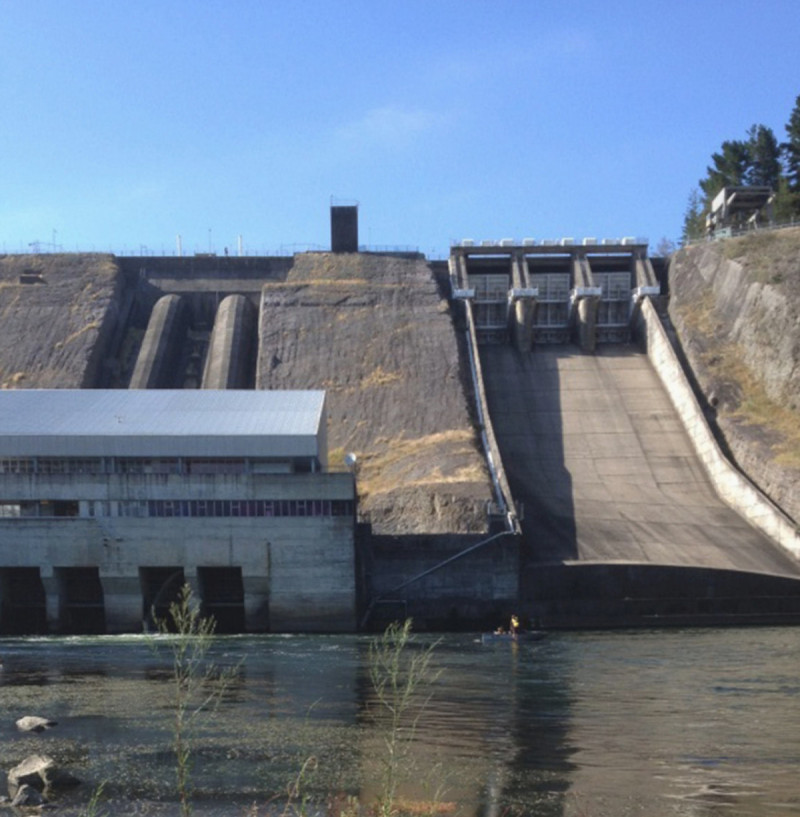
(160, 422)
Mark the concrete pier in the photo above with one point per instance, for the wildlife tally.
(157, 362)
(230, 362)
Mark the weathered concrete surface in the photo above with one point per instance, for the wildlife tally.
(56, 313)
(157, 363)
(735, 306)
(733, 487)
(606, 473)
(473, 590)
(376, 334)
(231, 350)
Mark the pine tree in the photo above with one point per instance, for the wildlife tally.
(729, 170)
(764, 155)
(791, 149)
(789, 199)
(694, 223)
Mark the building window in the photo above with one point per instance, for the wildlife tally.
(220, 466)
(237, 508)
(169, 508)
(16, 466)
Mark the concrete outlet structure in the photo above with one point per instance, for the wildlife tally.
(110, 500)
(553, 291)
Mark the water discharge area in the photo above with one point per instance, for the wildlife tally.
(662, 723)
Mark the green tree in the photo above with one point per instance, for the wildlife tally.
(785, 206)
(694, 222)
(730, 168)
(764, 154)
(790, 200)
(791, 149)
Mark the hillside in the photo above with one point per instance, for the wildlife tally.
(377, 335)
(54, 310)
(735, 305)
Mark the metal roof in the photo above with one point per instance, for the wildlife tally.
(160, 423)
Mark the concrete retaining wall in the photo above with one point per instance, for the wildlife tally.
(496, 463)
(732, 486)
(476, 590)
(298, 571)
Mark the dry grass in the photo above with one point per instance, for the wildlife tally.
(420, 808)
(757, 408)
(413, 462)
(379, 377)
(769, 257)
(88, 328)
(700, 315)
(14, 380)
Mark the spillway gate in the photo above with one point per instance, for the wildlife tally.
(553, 292)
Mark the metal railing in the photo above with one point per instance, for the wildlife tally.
(247, 251)
(746, 229)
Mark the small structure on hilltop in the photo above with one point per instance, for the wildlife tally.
(737, 208)
(344, 228)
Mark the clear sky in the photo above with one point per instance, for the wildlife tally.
(124, 123)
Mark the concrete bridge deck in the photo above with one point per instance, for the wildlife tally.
(598, 457)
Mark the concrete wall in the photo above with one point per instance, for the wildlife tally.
(298, 572)
(479, 589)
(219, 268)
(732, 485)
(230, 362)
(490, 441)
(632, 595)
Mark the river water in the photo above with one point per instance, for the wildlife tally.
(676, 722)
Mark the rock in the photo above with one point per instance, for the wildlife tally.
(28, 796)
(33, 723)
(41, 773)
(34, 771)
(734, 305)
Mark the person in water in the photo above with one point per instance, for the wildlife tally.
(514, 626)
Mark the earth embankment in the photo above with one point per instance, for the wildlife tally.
(735, 307)
(375, 333)
(56, 312)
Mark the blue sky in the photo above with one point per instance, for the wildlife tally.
(125, 123)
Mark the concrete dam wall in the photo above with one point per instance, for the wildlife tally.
(620, 522)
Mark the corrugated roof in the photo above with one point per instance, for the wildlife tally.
(159, 422)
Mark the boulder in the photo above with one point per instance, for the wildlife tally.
(39, 772)
(28, 796)
(33, 723)
(33, 771)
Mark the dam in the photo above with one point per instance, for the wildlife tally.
(507, 431)
(619, 518)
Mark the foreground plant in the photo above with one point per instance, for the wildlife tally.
(401, 680)
(197, 684)
(93, 806)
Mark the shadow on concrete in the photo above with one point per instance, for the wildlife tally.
(525, 404)
(621, 524)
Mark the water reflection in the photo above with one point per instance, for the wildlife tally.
(662, 723)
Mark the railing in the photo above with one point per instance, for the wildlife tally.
(247, 251)
(735, 232)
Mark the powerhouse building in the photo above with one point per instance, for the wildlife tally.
(110, 500)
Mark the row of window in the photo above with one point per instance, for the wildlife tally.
(237, 507)
(160, 508)
(134, 465)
